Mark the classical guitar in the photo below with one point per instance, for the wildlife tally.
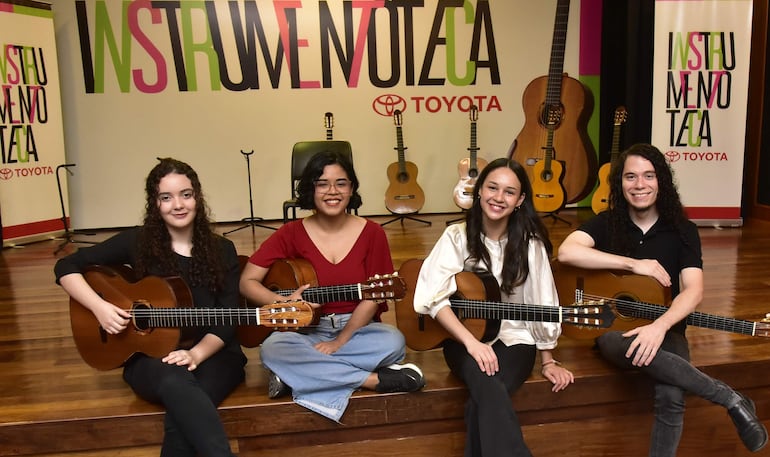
(329, 124)
(477, 304)
(635, 300)
(403, 195)
(285, 276)
(159, 306)
(547, 191)
(469, 167)
(600, 200)
(560, 105)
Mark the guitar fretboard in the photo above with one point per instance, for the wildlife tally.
(201, 317)
(327, 294)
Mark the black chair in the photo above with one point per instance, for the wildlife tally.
(300, 156)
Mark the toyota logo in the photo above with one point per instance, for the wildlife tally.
(387, 104)
(6, 173)
(672, 156)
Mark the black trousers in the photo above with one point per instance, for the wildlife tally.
(192, 424)
(492, 427)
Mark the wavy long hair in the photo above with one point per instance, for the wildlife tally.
(668, 202)
(315, 168)
(155, 251)
(523, 225)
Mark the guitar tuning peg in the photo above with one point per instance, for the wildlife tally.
(376, 276)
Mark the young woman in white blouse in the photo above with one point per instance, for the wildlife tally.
(504, 236)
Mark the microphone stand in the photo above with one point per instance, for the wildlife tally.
(68, 234)
(250, 221)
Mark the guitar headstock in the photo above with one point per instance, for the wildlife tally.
(328, 120)
(397, 118)
(762, 328)
(473, 113)
(385, 287)
(591, 313)
(286, 315)
(621, 115)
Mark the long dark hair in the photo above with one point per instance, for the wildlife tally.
(523, 225)
(668, 202)
(315, 168)
(155, 251)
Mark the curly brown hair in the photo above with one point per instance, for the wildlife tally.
(155, 251)
(668, 203)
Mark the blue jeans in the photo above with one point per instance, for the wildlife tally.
(324, 383)
(674, 375)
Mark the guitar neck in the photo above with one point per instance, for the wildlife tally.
(401, 150)
(481, 309)
(327, 294)
(196, 317)
(651, 312)
(473, 147)
(615, 151)
(556, 66)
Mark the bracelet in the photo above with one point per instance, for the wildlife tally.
(550, 362)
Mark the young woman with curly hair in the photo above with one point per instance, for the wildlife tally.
(645, 231)
(176, 239)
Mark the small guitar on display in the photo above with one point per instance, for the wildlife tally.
(285, 276)
(600, 200)
(403, 195)
(478, 306)
(159, 307)
(547, 191)
(329, 124)
(469, 167)
(636, 300)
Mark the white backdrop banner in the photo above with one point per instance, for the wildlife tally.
(700, 95)
(31, 132)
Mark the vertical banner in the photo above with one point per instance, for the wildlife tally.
(31, 131)
(700, 92)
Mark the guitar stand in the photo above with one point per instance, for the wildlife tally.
(68, 234)
(459, 219)
(401, 218)
(250, 221)
(556, 217)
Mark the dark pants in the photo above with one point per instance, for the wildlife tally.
(491, 423)
(192, 424)
(674, 375)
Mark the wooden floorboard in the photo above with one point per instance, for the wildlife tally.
(50, 400)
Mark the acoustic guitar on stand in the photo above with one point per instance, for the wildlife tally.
(159, 307)
(547, 191)
(600, 200)
(329, 124)
(469, 167)
(403, 195)
(285, 276)
(558, 107)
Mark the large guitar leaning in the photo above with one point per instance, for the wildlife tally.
(287, 275)
(561, 105)
(636, 300)
(469, 167)
(403, 195)
(600, 200)
(159, 307)
(477, 304)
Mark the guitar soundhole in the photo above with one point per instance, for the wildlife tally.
(546, 176)
(141, 320)
(473, 172)
(403, 177)
(621, 311)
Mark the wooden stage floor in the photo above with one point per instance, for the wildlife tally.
(43, 380)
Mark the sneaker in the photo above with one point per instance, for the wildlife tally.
(275, 387)
(400, 378)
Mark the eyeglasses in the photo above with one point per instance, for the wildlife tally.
(324, 185)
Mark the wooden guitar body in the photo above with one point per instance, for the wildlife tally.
(423, 332)
(403, 195)
(547, 191)
(570, 137)
(601, 198)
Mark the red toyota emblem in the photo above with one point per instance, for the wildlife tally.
(6, 173)
(672, 156)
(387, 104)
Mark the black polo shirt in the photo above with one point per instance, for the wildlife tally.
(674, 249)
